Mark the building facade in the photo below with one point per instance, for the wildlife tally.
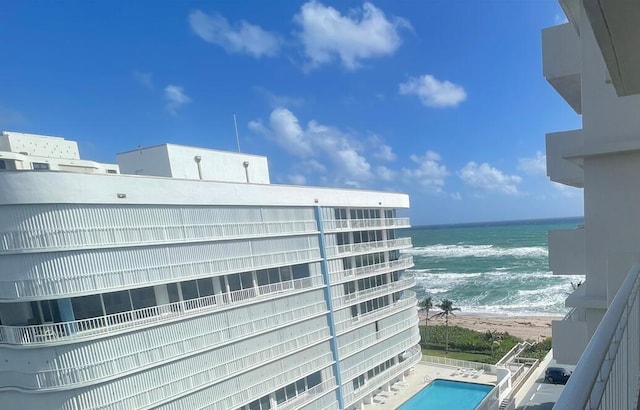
(176, 291)
(593, 63)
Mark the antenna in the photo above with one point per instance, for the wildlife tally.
(235, 124)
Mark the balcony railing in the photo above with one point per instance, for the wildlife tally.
(372, 339)
(374, 223)
(381, 379)
(408, 280)
(405, 262)
(364, 247)
(82, 237)
(408, 300)
(310, 395)
(608, 372)
(21, 335)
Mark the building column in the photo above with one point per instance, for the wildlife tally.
(66, 314)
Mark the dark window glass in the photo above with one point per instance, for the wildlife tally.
(234, 282)
(116, 302)
(85, 307)
(285, 273)
(274, 275)
(143, 298)
(314, 380)
(300, 271)
(300, 386)
(247, 280)
(172, 290)
(265, 403)
(189, 290)
(263, 277)
(280, 396)
(291, 391)
(205, 287)
(3, 165)
(111, 171)
(40, 165)
(254, 405)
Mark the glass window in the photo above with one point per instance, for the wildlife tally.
(300, 386)
(234, 282)
(40, 165)
(189, 290)
(3, 165)
(111, 171)
(263, 277)
(254, 405)
(205, 287)
(280, 396)
(116, 302)
(285, 273)
(85, 307)
(291, 391)
(265, 403)
(247, 280)
(172, 290)
(143, 298)
(300, 271)
(314, 380)
(274, 275)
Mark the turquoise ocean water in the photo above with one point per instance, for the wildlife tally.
(497, 268)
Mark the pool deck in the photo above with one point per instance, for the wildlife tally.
(422, 375)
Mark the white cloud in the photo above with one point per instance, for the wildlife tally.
(429, 173)
(488, 178)
(385, 173)
(144, 79)
(297, 179)
(175, 97)
(243, 37)
(362, 34)
(534, 166)
(276, 100)
(456, 196)
(384, 153)
(433, 92)
(347, 164)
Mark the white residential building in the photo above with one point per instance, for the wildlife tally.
(188, 286)
(593, 61)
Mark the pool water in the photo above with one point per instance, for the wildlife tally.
(449, 395)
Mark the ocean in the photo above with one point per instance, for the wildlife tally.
(493, 268)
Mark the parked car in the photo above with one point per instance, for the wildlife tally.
(557, 375)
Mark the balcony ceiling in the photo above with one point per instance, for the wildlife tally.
(617, 29)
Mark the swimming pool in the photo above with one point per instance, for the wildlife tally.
(449, 395)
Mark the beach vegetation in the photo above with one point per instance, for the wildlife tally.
(466, 344)
(538, 350)
(446, 307)
(426, 304)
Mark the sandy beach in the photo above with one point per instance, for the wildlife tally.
(534, 328)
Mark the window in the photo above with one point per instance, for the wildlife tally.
(205, 287)
(116, 302)
(3, 165)
(40, 165)
(112, 171)
(143, 298)
(189, 290)
(85, 307)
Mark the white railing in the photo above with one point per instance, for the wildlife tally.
(409, 299)
(81, 237)
(385, 377)
(367, 341)
(405, 262)
(109, 324)
(64, 284)
(310, 395)
(364, 247)
(406, 282)
(608, 372)
(347, 224)
(372, 361)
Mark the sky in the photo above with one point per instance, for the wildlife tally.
(442, 100)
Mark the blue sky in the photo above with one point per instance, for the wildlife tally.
(444, 100)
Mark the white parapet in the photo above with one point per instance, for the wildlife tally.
(560, 146)
(561, 62)
(567, 251)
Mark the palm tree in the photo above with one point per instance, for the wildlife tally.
(426, 304)
(446, 306)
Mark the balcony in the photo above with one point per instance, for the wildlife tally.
(405, 262)
(367, 341)
(407, 301)
(414, 356)
(126, 321)
(569, 336)
(561, 62)
(607, 375)
(559, 168)
(367, 247)
(567, 251)
(408, 280)
(365, 224)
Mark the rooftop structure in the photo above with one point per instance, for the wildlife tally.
(178, 286)
(592, 61)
